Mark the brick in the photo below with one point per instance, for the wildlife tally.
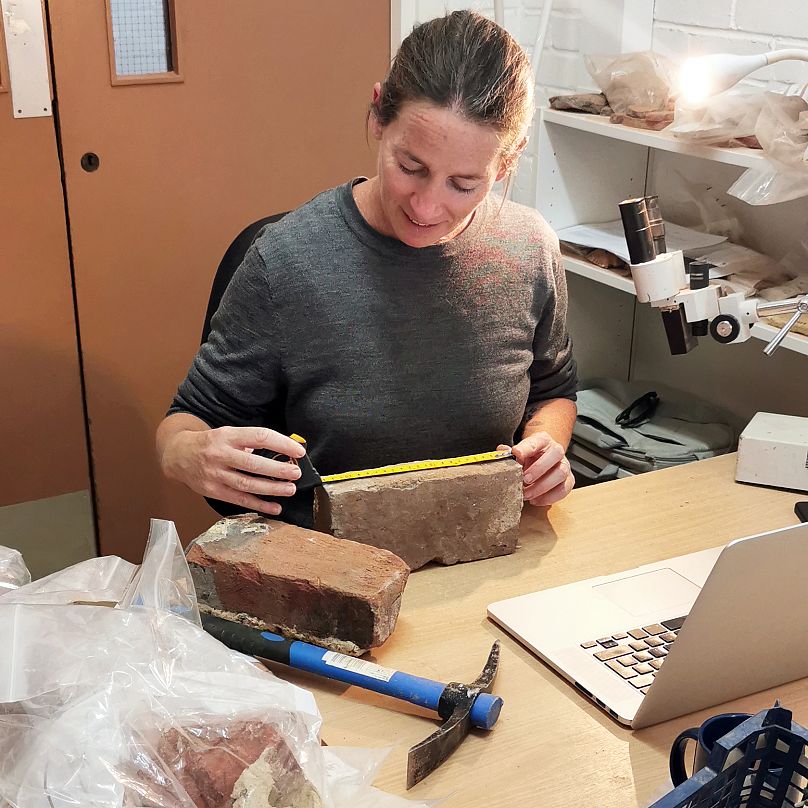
(462, 513)
(785, 17)
(701, 43)
(565, 31)
(671, 42)
(227, 764)
(565, 69)
(791, 71)
(713, 14)
(296, 582)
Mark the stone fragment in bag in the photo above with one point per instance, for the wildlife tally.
(591, 103)
(238, 764)
(460, 513)
(300, 583)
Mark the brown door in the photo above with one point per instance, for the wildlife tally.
(44, 480)
(262, 107)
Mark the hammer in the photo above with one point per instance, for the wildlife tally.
(460, 706)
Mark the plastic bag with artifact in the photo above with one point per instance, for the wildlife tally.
(136, 706)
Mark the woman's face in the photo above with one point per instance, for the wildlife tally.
(434, 169)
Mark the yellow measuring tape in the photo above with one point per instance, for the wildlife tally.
(420, 465)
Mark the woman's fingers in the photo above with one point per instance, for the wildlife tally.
(262, 486)
(552, 486)
(554, 494)
(551, 456)
(263, 466)
(261, 437)
(244, 500)
(528, 449)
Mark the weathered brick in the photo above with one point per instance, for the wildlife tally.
(461, 513)
(300, 583)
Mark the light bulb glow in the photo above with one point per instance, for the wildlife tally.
(696, 80)
(703, 76)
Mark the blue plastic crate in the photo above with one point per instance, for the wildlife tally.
(762, 763)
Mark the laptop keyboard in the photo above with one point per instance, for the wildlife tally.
(636, 655)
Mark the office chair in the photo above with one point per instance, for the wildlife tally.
(230, 263)
(296, 509)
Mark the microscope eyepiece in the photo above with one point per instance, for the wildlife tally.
(657, 223)
(637, 227)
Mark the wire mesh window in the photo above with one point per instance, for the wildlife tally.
(141, 34)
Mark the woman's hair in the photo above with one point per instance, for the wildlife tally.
(467, 63)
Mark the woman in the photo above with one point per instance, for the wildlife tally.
(406, 316)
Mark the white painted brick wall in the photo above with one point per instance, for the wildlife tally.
(782, 17)
(707, 13)
(680, 28)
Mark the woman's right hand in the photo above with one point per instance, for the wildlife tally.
(219, 463)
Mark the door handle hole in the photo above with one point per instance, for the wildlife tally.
(90, 161)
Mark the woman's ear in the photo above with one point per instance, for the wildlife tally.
(375, 124)
(509, 163)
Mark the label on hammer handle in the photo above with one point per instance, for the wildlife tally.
(349, 663)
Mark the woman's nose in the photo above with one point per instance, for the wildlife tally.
(425, 206)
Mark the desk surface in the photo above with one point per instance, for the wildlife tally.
(551, 746)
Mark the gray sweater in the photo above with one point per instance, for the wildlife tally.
(380, 353)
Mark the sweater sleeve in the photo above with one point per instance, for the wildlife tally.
(553, 373)
(237, 374)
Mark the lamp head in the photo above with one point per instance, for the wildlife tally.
(703, 76)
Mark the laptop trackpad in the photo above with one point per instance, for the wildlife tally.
(649, 591)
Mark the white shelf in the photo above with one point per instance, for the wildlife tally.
(600, 125)
(605, 276)
(762, 331)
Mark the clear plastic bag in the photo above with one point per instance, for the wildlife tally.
(136, 706)
(13, 572)
(777, 122)
(782, 130)
(104, 580)
(727, 119)
(641, 80)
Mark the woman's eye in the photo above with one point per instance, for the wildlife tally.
(462, 189)
(408, 170)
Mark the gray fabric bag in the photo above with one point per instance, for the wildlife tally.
(679, 429)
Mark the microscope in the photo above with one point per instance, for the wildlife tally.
(691, 306)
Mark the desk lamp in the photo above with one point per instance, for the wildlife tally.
(703, 76)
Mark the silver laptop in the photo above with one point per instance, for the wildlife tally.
(680, 635)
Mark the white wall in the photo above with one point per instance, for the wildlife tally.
(562, 66)
(675, 28)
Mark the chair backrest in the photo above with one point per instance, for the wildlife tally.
(230, 263)
(227, 267)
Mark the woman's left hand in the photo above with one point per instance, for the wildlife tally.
(545, 468)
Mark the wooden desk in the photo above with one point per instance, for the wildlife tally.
(551, 747)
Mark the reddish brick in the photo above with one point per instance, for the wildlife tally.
(220, 764)
(297, 582)
(460, 513)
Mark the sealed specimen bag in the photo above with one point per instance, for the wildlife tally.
(136, 706)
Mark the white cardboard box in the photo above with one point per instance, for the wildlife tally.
(773, 450)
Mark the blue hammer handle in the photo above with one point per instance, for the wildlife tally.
(304, 656)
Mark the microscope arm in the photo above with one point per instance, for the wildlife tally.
(732, 316)
(799, 305)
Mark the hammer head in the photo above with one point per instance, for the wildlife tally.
(455, 707)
